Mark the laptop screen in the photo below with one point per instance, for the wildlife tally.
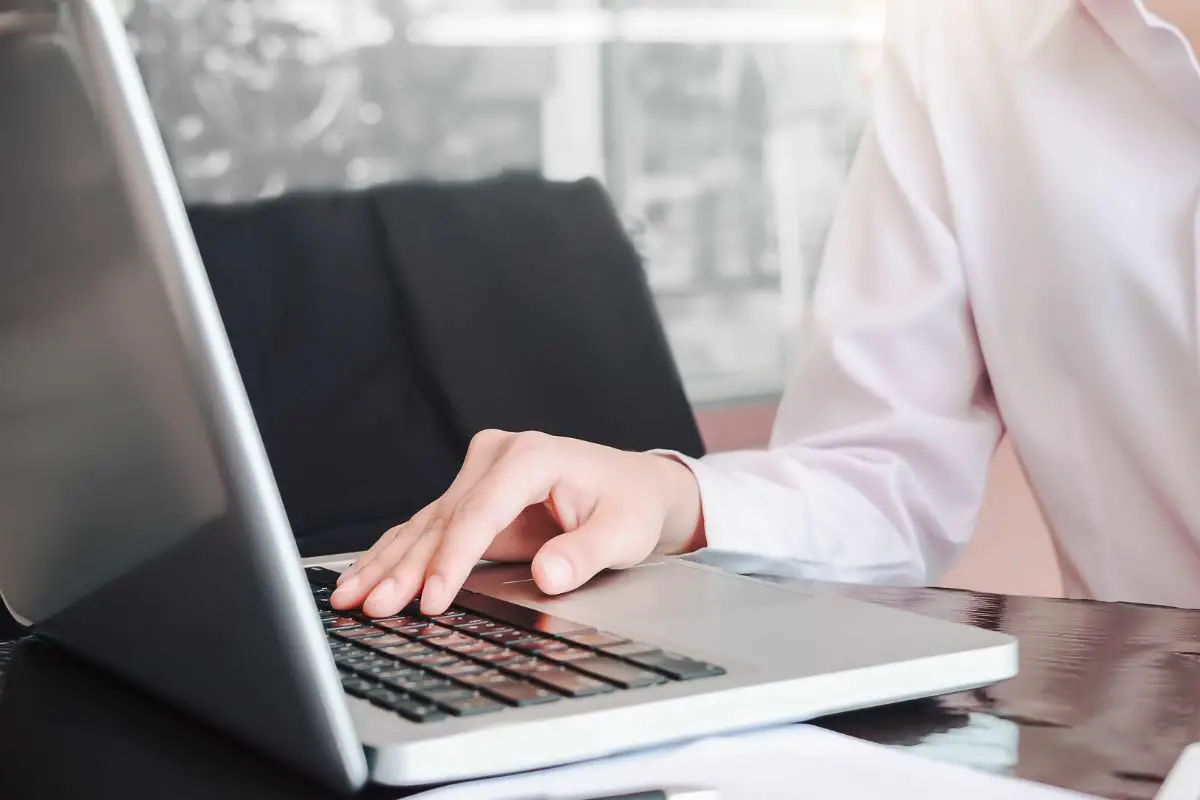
(106, 458)
(138, 514)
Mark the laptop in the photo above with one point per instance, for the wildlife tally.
(141, 528)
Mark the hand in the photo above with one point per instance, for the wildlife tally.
(570, 507)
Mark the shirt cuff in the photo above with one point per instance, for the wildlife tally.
(739, 538)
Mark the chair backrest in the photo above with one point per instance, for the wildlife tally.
(376, 332)
(534, 311)
(357, 438)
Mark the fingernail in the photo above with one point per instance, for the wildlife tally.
(344, 591)
(434, 595)
(556, 571)
(383, 596)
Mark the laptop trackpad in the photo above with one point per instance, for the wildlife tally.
(656, 599)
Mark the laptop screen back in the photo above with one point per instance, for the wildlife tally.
(138, 515)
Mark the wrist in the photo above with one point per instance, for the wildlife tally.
(683, 528)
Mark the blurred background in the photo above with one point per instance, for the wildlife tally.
(723, 129)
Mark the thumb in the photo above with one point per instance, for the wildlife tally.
(609, 539)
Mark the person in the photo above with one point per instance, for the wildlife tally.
(1017, 250)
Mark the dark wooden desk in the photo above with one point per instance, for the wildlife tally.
(1106, 699)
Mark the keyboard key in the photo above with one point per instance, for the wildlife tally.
(508, 637)
(500, 656)
(596, 639)
(356, 634)
(676, 666)
(401, 624)
(624, 675)
(448, 616)
(518, 693)
(482, 628)
(485, 648)
(387, 640)
(408, 629)
(404, 650)
(377, 670)
(483, 678)
(357, 686)
(570, 683)
(351, 661)
(471, 706)
(462, 620)
(434, 659)
(462, 668)
(342, 623)
(382, 697)
(418, 711)
(626, 649)
(407, 652)
(403, 671)
(401, 681)
(427, 631)
(541, 646)
(431, 683)
(448, 694)
(365, 658)
(406, 706)
(525, 664)
(472, 649)
(532, 667)
(568, 655)
(456, 641)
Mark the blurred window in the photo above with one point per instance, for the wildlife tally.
(723, 129)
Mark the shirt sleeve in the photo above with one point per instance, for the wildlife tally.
(879, 457)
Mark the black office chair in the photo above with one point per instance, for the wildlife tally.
(378, 331)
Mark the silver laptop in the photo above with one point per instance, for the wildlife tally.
(141, 528)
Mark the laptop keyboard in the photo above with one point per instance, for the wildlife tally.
(483, 656)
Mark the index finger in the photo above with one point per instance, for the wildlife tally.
(520, 478)
(480, 454)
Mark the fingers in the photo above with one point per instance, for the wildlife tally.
(420, 520)
(404, 581)
(611, 538)
(387, 554)
(522, 476)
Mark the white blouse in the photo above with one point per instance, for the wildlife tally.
(1017, 250)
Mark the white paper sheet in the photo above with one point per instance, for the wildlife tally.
(794, 762)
